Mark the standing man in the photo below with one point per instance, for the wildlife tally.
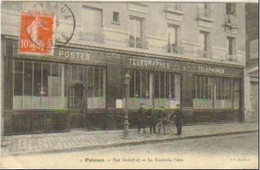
(141, 118)
(162, 119)
(151, 119)
(178, 120)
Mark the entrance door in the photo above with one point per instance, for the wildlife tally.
(77, 105)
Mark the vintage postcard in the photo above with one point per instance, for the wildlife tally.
(129, 84)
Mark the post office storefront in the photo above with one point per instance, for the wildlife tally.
(52, 93)
(78, 87)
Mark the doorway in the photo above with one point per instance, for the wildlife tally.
(78, 105)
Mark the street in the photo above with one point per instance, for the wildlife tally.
(236, 151)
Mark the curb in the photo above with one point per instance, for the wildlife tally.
(129, 143)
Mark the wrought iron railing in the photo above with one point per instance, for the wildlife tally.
(231, 57)
(203, 54)
(136, 43)
(231, 20)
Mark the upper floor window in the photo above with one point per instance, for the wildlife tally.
(176, 6)
(204, 42)
(92, 23)
(172, 34)
(116, 17)
(230, 8)
(136, 32)
(204, 10)
(231, 45)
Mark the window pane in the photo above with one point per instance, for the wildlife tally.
(81, 73)
(37, 79)
(132, 27)
(96, 82)
(18, 79)
(137, 85)
(138, 29)
(172, 87)
(74, 73)
(28, 78)
(156, 84)
(90, 82)
(54, 81)
(92, 19)
(46, 74)
(131, 87)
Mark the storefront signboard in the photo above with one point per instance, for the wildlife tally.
(207, 69)
(217, 70)
(155, 64)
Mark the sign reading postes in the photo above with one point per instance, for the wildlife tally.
(36, 33)
(75, 55)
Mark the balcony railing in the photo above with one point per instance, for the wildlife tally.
(231, 57)
(231, 20)
(203, 54)
(136, 43)
(175, 49)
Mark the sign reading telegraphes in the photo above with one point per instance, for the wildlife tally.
(36, 33)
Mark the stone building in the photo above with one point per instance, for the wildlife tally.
(252, 61)
(192, 54)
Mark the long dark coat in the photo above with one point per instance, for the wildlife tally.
(151, 117)
(178, 117)
(141, 116)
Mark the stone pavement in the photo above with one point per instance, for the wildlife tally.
(81, 139)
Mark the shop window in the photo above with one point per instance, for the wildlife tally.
(167, 89)
(136, 32)
(146, 86)
(217, 92)
(139, 85)
(37, 85)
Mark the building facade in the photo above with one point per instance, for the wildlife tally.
(252, 61)
(192, 54)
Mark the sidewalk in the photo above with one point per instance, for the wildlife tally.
(80, 139)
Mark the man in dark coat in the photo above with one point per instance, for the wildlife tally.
(151, 118)
(141, 119)
(178, 120)
(162, 119)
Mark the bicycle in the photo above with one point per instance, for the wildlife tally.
(168, 124)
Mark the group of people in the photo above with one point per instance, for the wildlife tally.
(153, 118)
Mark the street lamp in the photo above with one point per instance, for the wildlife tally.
(126, 81)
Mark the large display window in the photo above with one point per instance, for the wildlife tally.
(154, 89)
(216, 92)
(39, 85)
